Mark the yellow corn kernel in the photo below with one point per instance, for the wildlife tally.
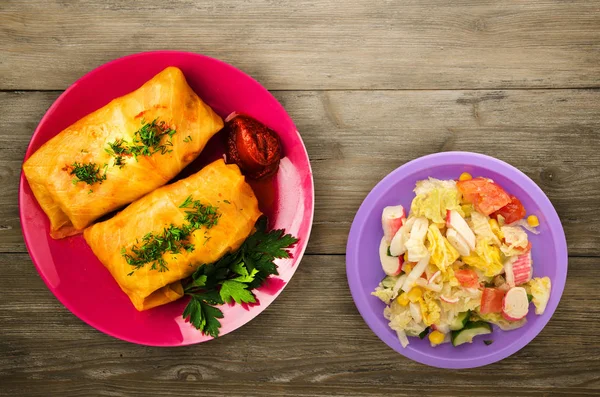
(467, 209)
(496, 228)
(406, 257)
(407, 267)
(415, 294)
(533, 221)
(465, 176)
(436, 337)
(402, 299)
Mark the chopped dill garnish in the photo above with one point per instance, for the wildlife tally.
(118, 150)
(199, 214)
(188, 139)
(87, 172)
(146, 141)
(172, 239)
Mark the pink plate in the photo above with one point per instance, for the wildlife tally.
(68, 266)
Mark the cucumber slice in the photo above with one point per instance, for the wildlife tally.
(389, 281)
(471, 330)
(459, 321)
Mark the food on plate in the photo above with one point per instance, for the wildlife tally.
(254, 147)
(162, 238)
(232, 278)
(120, 152)
(198, 236)
(458, 263)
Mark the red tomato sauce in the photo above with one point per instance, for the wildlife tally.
(253, 146)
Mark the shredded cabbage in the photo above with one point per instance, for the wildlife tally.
(443, 254)
(468, 209)
(481, 227)
(523, 223)
(434, 198)
(430, 184)
(467, 300)
(486, 258)
(383, 293)
(401, 319)
(516, 240)
(449, 277)
(430, 310)
(501, 322)
(540, 290)
(402, 338)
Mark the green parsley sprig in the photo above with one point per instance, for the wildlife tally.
(146, 141)
(233, 277)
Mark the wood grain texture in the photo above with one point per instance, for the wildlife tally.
(310, 341)
(370, 85)
(314, 44)
(354, 138)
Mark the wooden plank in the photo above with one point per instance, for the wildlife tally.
(310, 341)
(314, 44)
(354, 138)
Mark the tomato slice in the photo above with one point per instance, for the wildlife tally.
(512, 211)
(491, 300)
(467, 278)
(485, 195)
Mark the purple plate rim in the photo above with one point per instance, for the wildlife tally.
(434, 160)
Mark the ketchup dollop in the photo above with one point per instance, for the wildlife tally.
(253, 146)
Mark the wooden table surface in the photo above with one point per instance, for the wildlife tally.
(371, 84)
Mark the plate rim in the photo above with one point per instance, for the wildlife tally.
(22, 180)
(436, 159)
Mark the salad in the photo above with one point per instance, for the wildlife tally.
(459, 262)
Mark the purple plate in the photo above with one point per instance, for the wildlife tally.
(549, 253)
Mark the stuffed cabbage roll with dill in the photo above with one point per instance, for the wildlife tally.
(120, 152)
(162, 238)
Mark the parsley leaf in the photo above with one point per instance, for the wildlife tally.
(242, 271)
(272, 244)
(237, 291)
(233, 277)
(203, 316)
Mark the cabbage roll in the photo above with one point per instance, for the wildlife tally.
(120, 152)
(162, 238)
